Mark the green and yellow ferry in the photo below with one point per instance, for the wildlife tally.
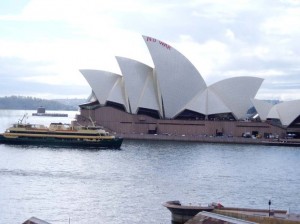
(59, 134)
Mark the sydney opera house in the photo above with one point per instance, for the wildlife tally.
(173, 99)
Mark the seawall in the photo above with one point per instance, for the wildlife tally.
(212, 139)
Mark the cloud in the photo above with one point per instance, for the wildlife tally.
(208, 57)
(283, 23)
(49, 40)
(19, 77)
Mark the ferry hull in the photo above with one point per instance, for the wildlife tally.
(104, 143)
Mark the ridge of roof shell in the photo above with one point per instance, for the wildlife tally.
(102, 82)
(237, 93)
(287, 111)
(118, 94)
(262, 108)
(139, 84)
(207, 103)
(179, 80)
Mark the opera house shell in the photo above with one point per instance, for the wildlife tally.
(173, 99)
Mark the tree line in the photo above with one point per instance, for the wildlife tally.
(32, 103)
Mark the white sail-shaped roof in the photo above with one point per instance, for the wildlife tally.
(287, 111)
(215, 105)
(179, 81)
(149, 98)
(92, 97)
(262, 107)
(237, 93)
(208, 103)
(199, 103)
(118, 93)
(139, 84)
(101, 82)
(273, 113)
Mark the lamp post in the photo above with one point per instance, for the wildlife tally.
(269, 206)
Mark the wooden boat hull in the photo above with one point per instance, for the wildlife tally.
(181, 213)
(114, 143)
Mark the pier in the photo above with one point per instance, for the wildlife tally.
(217, 213)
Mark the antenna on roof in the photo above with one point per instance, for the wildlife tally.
(93, 123)
(25, 116)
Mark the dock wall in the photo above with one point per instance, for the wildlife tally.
(132, 126)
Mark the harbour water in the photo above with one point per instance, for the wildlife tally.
(62, 185)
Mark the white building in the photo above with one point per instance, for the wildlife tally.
(174, 89)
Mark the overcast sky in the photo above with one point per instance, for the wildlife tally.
(43, 43)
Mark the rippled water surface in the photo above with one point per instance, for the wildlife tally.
(63, 185)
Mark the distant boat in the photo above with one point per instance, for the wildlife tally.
(41, 111)
(58, 134)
